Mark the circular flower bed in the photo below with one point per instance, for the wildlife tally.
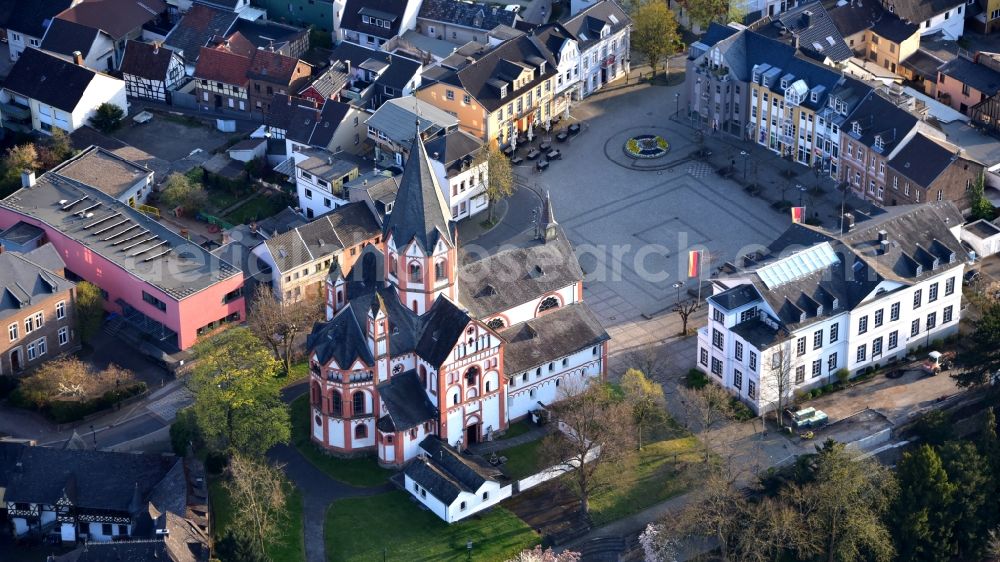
(646, 146)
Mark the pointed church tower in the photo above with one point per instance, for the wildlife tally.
(421, 254)
(549, 230)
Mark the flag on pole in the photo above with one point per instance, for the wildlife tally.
(694, 263)
(798, 214)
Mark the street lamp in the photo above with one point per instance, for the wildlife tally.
(468, 547)
(802, 192)
(94, 435)
(677, 101)
(746, 156)
(678, 286)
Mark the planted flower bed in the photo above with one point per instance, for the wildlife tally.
(646, 146)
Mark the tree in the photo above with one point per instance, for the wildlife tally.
(717, 512)
(538, 554)
(654, 32)
(657, 544)
(236, 401)
(278, 324)
(844, 503)
(596, 435)
(971, 513)
(981, 206)
(706, 408)
(646, 399)
(983, 355)
(20, 158)
(921, 513)
(89, 309)
(989, 445)
(257, 490)
(934, 427)
(107, 118)
(60, 144)
(704, 12)
(180, 191)
(68, 378)
(499, 176)
(778, 384)
(685, 310)
(237, 546)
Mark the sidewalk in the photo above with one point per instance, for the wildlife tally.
(502, 444)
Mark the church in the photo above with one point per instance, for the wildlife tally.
(424, 343)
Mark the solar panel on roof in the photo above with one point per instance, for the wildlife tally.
(100, 220)
(133, 237)
(107, 228)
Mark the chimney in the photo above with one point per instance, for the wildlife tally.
(347, 65)
(849, 221)
(27, 178)
(883, 236)
(883, 247)
(78, 58)
(806, 15)
(156, 47)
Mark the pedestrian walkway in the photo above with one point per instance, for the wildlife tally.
(488, 447)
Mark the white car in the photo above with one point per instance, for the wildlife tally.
(513, 8)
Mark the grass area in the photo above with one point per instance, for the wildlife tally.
(517, 428)
(258, 207)
(658, 473)
(363, 471)
(392, 527)
(522, 460)
(291, 548)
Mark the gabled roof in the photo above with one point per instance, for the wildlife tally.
(49, 79)
(341, 339)
(117, 18)
(976, 76)
(466, 14)
(65, 36)
(923, 160)
(197, 28)
(918, 11)
(586, 25)
(894, 28)
(345, 226)
(146, 60)
(879, 116)
(26, 282)
(331, 81)
(272, 67)
(268, 34)
(33, 18)
(406, 402)
(333, 114)
(420, 212)
(445, 473)
(219, 65)
(815, 31)
(389, 10)
(441, 330)
(454, 148)
(399, 73)
(396, 118)
(716, 32)
(548, 337)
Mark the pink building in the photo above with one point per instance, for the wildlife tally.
(164, 286)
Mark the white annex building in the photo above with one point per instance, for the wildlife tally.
(819, 302)
(421, 354)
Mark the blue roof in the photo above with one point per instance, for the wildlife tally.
(715, 33)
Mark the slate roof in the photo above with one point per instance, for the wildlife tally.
(923, 160)
(219, 65)
(103, 170)
(33, 18)
(345, 226)
(586, 25)
(735, 297)
(331, 81)
(445, 473)
(420, 212)
(515, 276)
(330, 118)
(341, 339)
(65, 36)
(976, 76)
(146, 60)
(397, 118)
(752, 48)
(924, 63)
(381, 188)
(553, 335)
(814, 30)
(453, 149)
(401, 69)
(266, 34)
(895, 29)
(405, 401)
(117, 18)
(442, 328)
(197, 28)
(92, 479)
(466, 14)
(716, 32)
(918, 11)
(391, 10)
(879, 116)
(49, 79)
(854, 17)
(24, 282)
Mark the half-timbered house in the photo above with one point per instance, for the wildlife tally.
(150, 71)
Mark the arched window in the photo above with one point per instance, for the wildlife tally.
(472, 375)
(471, 393)
(441, 270)
(340, 297)
(423, 376)
(548, 303)
(496, 324)
(392, 264)
(488, 385)
(336, 404)
(415, 276)
(454, 398)
(358, 406)
(361, 431)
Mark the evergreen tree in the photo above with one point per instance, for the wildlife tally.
(237, 546)
(983, 356)
(969, 510)
(921, 514)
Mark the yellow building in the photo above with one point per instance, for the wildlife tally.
(495, 92)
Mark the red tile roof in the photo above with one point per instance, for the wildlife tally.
(272, 67)
(222, 66)
(115, 17)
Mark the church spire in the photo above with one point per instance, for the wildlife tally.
(548, 220)
(419, 212)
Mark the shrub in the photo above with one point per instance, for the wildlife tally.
(183, 432)
(695, 379)
(827, 388)
(741, 412)
(66, 411)
(934, 427)
(107, 118)
(936, 344)
(843, 375)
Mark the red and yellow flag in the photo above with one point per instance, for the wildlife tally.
(798, 214)
(694, 263)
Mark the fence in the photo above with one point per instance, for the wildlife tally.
(551, 472)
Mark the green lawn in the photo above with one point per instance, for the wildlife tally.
(363, 471)
(517, 428)
(651, 478)
(290, 549)
(392, 527)
(522, 460)
(258, 207)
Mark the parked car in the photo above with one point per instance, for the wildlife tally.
(971, 276)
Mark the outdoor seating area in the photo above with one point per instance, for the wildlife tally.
(537, 147)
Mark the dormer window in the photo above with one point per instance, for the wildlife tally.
(879, 144)
(784, 84)
(503, 91)
(756, 76)
(856, 128)
(814, 97)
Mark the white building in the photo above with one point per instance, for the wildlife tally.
(602, 33)
(319, 180)
(151, 71)
(820, 303)
(43, 91)
(946, 16)
(461, 172)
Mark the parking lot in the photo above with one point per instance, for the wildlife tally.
(169, 137)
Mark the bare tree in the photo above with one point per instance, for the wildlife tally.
(705, 409)
(278, 324)
(717, 512)
(646, 399)
(778, 384)
(538, 554)
(596, 433)
(257, 490)
(648, 359)
(685, 310)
